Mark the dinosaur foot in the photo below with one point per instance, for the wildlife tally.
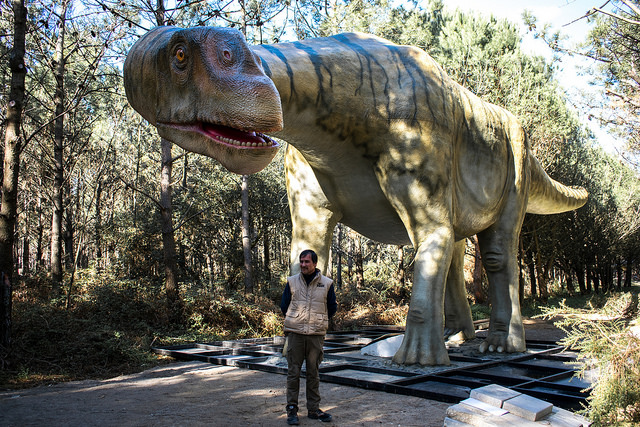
(459, 333)
(422, 347)
(502, 342)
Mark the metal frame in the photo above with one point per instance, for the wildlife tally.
(545, 371)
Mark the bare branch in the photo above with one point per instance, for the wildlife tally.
(138, 190)
(631, 6)
(616, 16)
(623, 97)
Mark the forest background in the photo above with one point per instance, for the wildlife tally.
(111, 238)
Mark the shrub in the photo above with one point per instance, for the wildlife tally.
(608, 342)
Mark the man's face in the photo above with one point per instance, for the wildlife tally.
(307, 266)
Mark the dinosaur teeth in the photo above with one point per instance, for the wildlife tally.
(241, 143)
(237, 143)
(237, 138)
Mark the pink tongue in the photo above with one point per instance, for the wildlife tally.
(235, 134)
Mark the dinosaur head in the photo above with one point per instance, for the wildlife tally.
(206, 91)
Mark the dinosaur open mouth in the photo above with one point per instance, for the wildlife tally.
(237, 138)
(241, 152)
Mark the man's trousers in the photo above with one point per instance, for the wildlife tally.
(304, 348)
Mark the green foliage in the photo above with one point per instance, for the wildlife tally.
(614, 40)
(374, 304)
(608, 340)
(613, 63)
(107, 332)
(112, 323)
(230, 315)
(480, 311)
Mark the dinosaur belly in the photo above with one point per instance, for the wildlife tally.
(363, 205)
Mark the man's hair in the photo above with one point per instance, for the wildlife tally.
(314, 256)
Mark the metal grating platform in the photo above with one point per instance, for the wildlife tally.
(544, 370)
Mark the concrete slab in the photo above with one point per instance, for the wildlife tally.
(383, 348)
(199, 350)
(528, 407)
(562, 418)
(478, 417)
(450, 422)
(484, 406)
(365, 376)
(493, 394)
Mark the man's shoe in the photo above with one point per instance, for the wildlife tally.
(319, 415)
(292, 415)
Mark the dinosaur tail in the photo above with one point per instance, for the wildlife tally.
(547, 196)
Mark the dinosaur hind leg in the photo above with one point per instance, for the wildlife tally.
(458, 319)
(506, 331)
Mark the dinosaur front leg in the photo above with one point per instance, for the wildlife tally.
(312, 216)
(457, 313)
(423, 342)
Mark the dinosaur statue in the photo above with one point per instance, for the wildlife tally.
(380, 139)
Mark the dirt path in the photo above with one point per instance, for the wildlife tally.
(195, 394)
(198, 394)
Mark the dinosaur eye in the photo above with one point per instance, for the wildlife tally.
(180, 56)
(227, 57)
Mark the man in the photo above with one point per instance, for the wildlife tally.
(308, 301)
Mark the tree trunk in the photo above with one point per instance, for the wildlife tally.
(58, 159)
(246, 235)
(40, 262)
(580, 278)
(13, 145)
(339, 259)
(209, 260)
(266, 254)
(542, 275)
(69, 259)
(596, 279)
(627, 276)
(174, 303)
(400, 273)
(359, 267)
(134, 194)
(531, 266)
(26, 252)
(350, 259)
(478, 293)
(543, 283)
(571, 288)
(97, 233)
(520, 272)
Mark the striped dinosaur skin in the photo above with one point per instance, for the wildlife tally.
(382, 140)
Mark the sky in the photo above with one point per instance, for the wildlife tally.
(561, 14)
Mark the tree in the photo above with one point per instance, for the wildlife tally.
(59, 61)
(613, 44)
(246, 235)
(13, 145)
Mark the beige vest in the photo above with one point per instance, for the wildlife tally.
(307, 312)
